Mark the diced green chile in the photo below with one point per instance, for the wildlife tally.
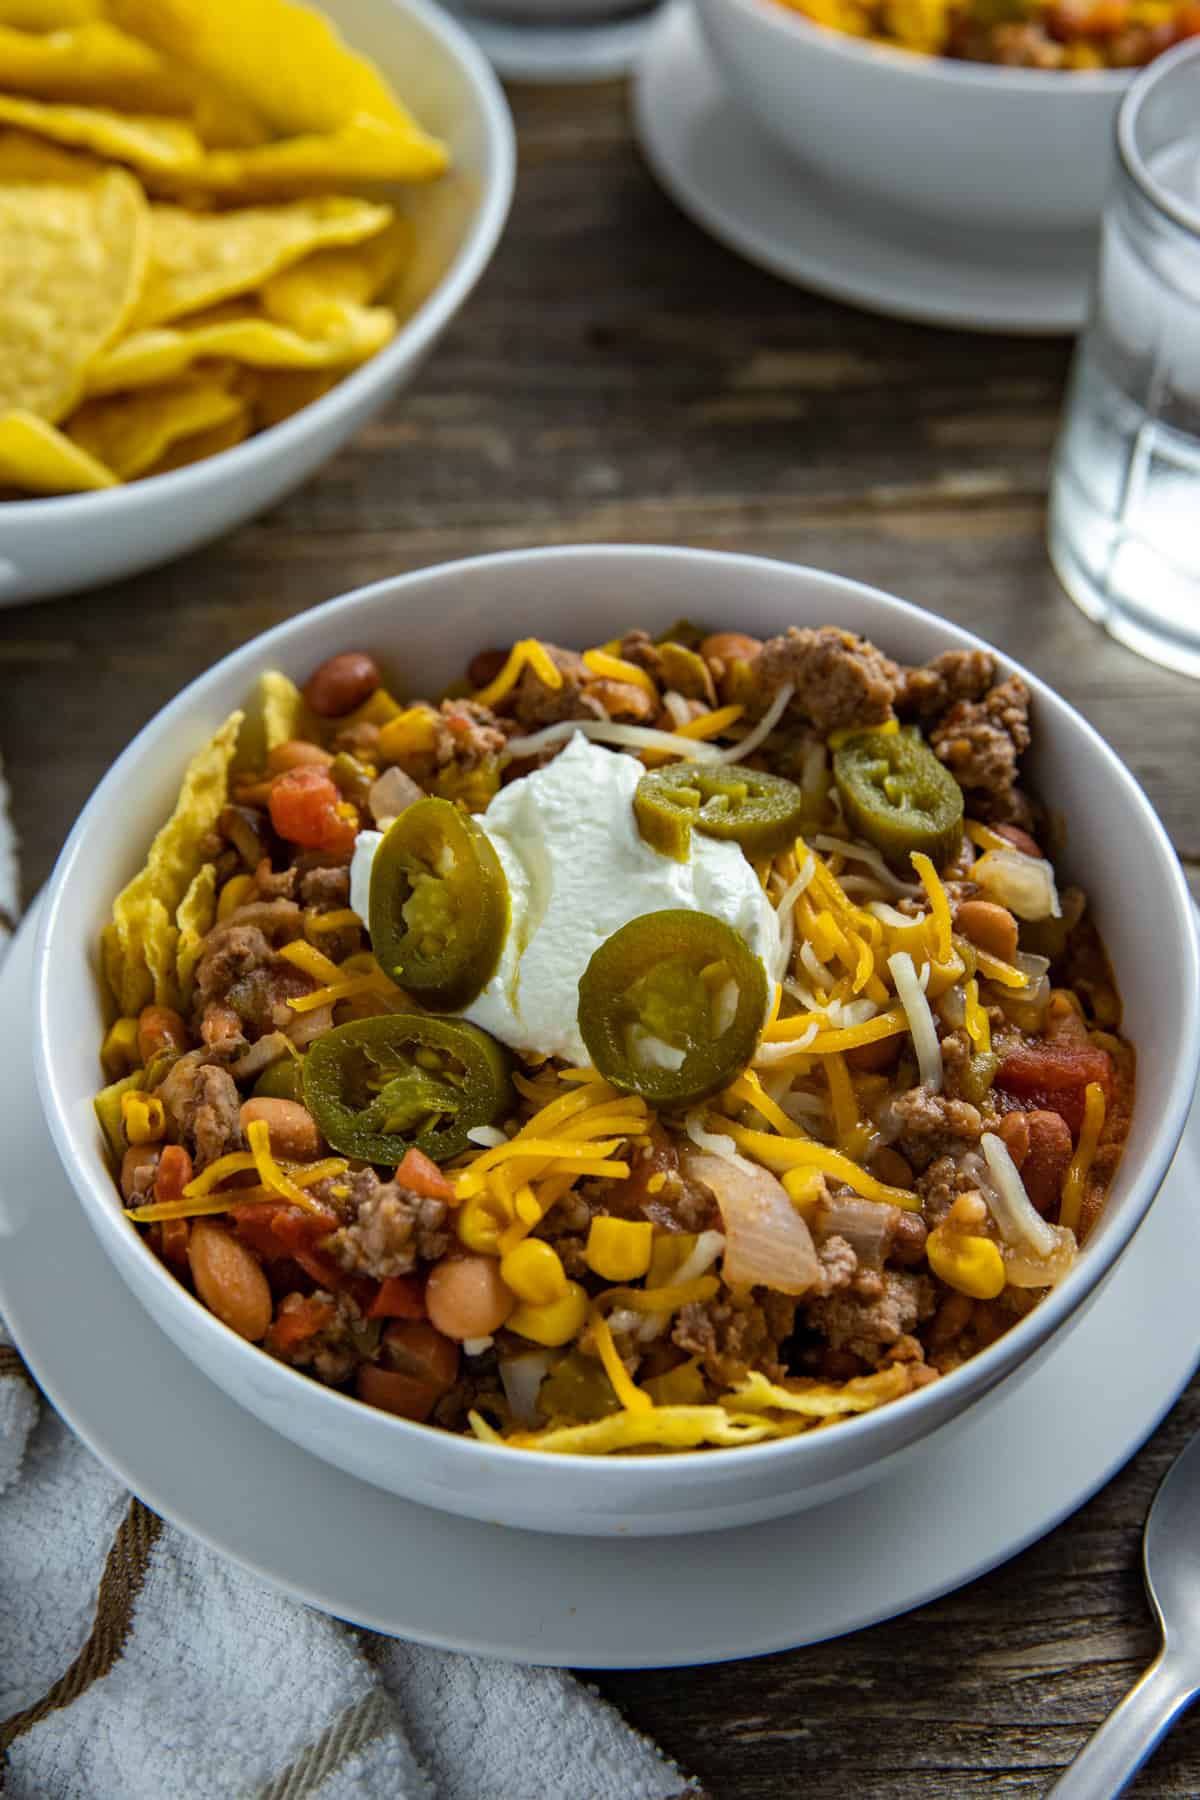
(672, 987)
(378, 1087)
(899, 797)
(763, 813)
(281, 1080)
(439, 907)
(107, 1106)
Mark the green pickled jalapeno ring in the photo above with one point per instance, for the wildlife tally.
(763, 813)
(671, 1006)
(281, 1080)
(381, 1086)
(439, 907)
(899, 797)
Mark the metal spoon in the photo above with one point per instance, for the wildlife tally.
(1171, 1562)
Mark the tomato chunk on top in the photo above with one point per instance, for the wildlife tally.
(1054, 1076)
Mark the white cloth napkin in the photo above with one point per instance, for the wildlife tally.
(136, 1664)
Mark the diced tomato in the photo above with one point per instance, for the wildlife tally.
(1053, 1077)
(173, 1173)
(421, 1175)
(175, 1234)
(274, 1231)
(304, 809)
(419, 1348)
(301, 1322)
(1187, 23)
(392, 1391)
(399, 1297)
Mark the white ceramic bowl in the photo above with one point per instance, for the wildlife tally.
(969, 146)
(425, 626)
(53, 546)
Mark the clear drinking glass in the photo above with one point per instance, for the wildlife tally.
(1124, 530)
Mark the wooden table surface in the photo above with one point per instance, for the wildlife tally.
(619, 376)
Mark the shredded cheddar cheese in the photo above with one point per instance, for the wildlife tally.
(784, 1154)
(632, 1398)
(939, 906)
(748, 1090)
(310, 960)
(975, 1019)
(711, 725)
(526, 653)
(1075, 1180)
(615, 668)
(258, 1136)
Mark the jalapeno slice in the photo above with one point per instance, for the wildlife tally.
(761, 812)
(439, 905)
(671, 1006)
(899, 797)
(379, 1087)
(280, 1080)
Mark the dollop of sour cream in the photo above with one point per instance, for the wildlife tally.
(578, 869)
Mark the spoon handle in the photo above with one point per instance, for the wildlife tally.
(1113, 1755)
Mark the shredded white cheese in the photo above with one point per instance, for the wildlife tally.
(609, 731)
(762, 731)
(1020, 1223)
(920, 1020)
(488, 1137)
(855, 851)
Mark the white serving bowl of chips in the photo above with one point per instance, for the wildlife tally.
(426, 626)
(55, 545)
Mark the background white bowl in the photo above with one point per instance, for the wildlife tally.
(966, 145)
(52, 546)
(425, 627)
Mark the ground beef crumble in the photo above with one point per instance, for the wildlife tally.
(736, 1333)
(873, 1314)
(841, 682)
(202, 1105)
(980, 741)
(392, 1229)
(334, 1352)
(928, 1125)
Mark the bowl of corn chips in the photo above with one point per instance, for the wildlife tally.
(230, 231)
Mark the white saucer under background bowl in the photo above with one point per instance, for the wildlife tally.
(56, 545)
(426, 626)
(717, 163)
(542, 43)
(972, 146)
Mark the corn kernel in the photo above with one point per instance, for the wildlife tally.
(481, 1222)
(119, 1051)
(619, 1249)
(142, 1118)
(555, 1324)
(534, 1272)
(973, 1265)
(235, 893)
(410, 734)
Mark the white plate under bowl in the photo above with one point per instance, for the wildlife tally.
(1053, 1437)
(541, 51)
(716, 165)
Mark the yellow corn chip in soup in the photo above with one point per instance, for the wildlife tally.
(161, 354)
(37, 458)
(72, 261)
(139, 949)
(285, 59)
(193, 921)
(279, 713)
(199, 259)
(148, 143)
(27, 158)
(129, 433)
(200, 445)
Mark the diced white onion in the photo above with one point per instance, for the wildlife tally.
(866, 1225)
(259, 1056)
(767, 1242)
(866, 853)
(1025, 884)
(1018, 1219)
(392, 793)
(762, 731)
(953, 1008)
(610, 731)
(310, 1025)
(920, 1020)
(488, 1137)
(522, 1376)
(802, 1106)
(477, 1346)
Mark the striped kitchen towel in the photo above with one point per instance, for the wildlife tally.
(136, 1664)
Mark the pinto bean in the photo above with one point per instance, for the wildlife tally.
(297, 753)
(291, 1127)
(725, 647)
(1013, 1132)
(465, 1297)
(159, 1028)
(1020, 840)
(229, 1279)
(989, 927)
(875, 1058)
(1040, 1145)
(890, 1166)
(342, 683)
(138, 1167)
(908, 1244)
(1063, 1017)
